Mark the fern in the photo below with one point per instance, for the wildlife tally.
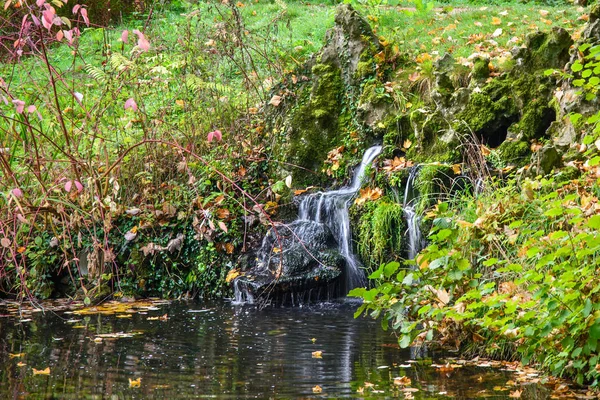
(96, 73)
(118, 62)
(196, 84)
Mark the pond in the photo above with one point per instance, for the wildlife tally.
(162, 350)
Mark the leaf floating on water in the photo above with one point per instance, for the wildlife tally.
(317, 389)
(317, 354)
(516, 394)
(313, 340)
(402, 381)
(21, 364)
(17, 355)
(135, 383)
(41, 371)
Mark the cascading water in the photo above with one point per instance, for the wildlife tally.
(304, 258)
(331, 208)
(413, 220)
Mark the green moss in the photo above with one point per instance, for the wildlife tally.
(435, 140)
(315, 123)
(431, 182)
(481, 69)
(514, 153)
(380, 232)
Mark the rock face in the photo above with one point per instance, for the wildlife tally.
(316, 111)
(294, 258)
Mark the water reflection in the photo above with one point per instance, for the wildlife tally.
(221, 351)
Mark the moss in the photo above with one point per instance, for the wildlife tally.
(435, 140)
(380, 232)
(431, 182)
(514, 153)
(315, 123)
(481, 69)
(535, 122)
(373, 94)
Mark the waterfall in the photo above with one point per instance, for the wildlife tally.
(413, 220)
(331, 209)
(308, 253)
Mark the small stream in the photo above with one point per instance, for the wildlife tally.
(217, 350)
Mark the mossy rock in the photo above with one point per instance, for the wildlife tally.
(544, 50)
(314, 126)
(435, 138)
(515, 153)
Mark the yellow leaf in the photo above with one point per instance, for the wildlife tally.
(41, 371)
(317, 389)
(313, 340)
(456, 168)
(135, 383)
(231, 275)
(402, 381)
(407, 143)
(276, 250)
(485, 151)
(21, 364)
(516, 394)
(477, 23)
(180, 103)
(544, 13)
(496, 21)
(317, 354)
(18, 355)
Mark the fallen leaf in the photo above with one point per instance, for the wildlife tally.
(516, 394)
(21, 364)
(41, 371)
(231, 275)
(18, 355)
(135, 383)
(407, 143)
(275, 101)
(496, 21)
(317, 354)
(402, 381)
(317, 389)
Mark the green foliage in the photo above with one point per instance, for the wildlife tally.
(520, 273)
(380, 232)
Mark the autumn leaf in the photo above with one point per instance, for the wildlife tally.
(496, 21)
(368, 194)
(406, 144)
(317, 389)
(135, 383)
(41, 371)
(231, 275)
(516, 394)
(21, 364)
(485, 151)
(275, 101)
(456, 168)
(402, 381)
(17, 355)
(317, 354)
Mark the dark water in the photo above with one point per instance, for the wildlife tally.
(222, 351)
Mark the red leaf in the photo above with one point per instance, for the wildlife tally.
(40, 2)
(69, 36)
(31, 109)
(76, 8)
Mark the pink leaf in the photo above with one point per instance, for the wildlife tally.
(78, 96)
(79, 186)
(68, 186)
(20, 105)
(216, 134)
(69, 36)
(83, 13)
(17, 192)
(142, 43)
(40, 2)
(130, 103)
(60, 35)
(31, 109)
(36, 21)
(48, 17)
(76, 8)
(124, 36)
